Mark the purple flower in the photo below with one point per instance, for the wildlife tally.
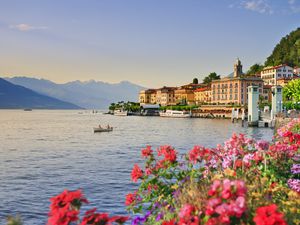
(294, 184)
(295, 168)
(159, 216)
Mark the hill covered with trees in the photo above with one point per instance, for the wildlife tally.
(287, 51)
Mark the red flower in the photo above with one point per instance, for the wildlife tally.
(268, 215)
(93, 218)
(238, 163)
(136, 173)
(130, 198)
(147, 152)
(187, 215)
(64, 207)
(170, 222)
(169, 153)
(119, 219)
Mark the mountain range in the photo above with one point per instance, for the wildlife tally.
(88, 94)
(14, 97)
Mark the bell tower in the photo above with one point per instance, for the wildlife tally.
(238, 68)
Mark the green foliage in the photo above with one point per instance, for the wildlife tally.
(14, 220)
(286, 51)
(291, 105)
(210, 77)
(255, 69)
(195, 81)
(292, 91)
(128, 106)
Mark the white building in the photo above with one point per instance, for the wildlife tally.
(270, 75)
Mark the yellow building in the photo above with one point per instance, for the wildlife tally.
(165, 96)
(202, 95)
(147, 96)
(184, 96)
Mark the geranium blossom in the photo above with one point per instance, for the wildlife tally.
(136, 173)
(268, 215)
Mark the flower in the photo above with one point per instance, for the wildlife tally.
(294, 184)
(169, 153)
(226, 201)
(268, 215)
(136, 173)
(170, 222)
(64, 208)
(130, 198)
(147, 152)
(262, 145)
(295, 169)
(119, 219)
(93, 218)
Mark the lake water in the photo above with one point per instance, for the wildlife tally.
(44, 152)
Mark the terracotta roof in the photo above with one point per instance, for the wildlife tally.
(202, 89)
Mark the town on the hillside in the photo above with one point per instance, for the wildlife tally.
(218, 97)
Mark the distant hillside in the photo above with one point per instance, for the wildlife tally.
(286, 51)
(18, 97)
(90, 94)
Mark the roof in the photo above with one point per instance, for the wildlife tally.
(276, 67)
(202, 89)
(250, 78)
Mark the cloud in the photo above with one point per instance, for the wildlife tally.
(260, 6)
(294, 6)
(27, 27)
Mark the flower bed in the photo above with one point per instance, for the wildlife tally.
(241, 182)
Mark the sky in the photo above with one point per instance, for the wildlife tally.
(148, 42)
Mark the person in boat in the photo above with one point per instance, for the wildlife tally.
(108, 127)
(100, 126)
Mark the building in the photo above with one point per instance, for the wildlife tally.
(202, 95)
(297, 71)
(233, 90)
(237, 68)
(184, 96)
(165, 96)
(147, 96)
(267, 93)
(284, 81)
(271, 74)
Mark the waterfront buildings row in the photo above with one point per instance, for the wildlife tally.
(228, 90)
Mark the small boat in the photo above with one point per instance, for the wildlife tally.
(119, 112)
(175, 114)
(100, 129)
(27, 109)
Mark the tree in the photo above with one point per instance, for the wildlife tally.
(195, 81)
(287, 51)
(292, 90)
(255, 69)
(210, 77)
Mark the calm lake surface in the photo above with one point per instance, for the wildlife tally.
(44, 152)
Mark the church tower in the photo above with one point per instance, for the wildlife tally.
(238, 68)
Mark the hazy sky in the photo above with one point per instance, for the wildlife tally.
(148, 42)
